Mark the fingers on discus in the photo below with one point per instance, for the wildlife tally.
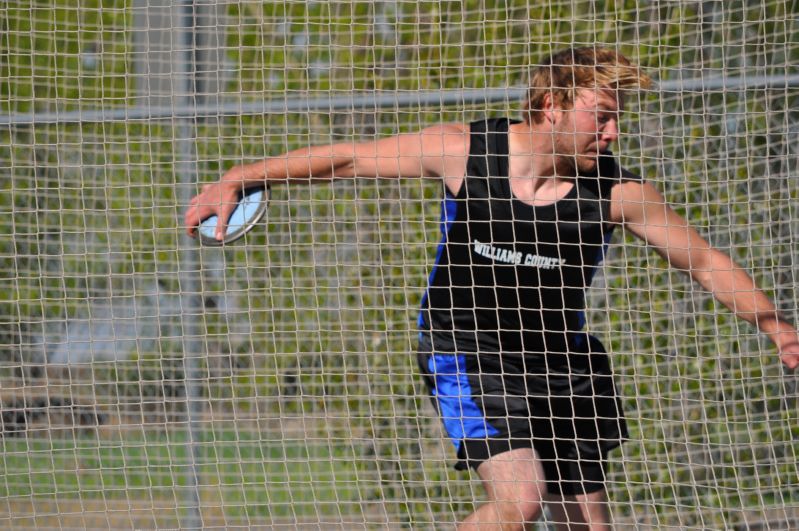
(223, 215)
(191, 221)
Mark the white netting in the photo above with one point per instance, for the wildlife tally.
(145, 382)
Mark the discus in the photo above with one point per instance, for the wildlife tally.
(249, 210)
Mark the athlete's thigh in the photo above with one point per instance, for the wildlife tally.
(515, 476)
(583, 512)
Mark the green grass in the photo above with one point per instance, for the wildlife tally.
(276, 479)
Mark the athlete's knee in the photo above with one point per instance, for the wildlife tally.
(523, 507)
(504, 515)
(520, 514)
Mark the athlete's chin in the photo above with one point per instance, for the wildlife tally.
(587, 163)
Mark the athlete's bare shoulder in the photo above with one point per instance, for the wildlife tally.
(445, 140)
(446, 152)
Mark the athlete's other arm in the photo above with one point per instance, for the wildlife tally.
(437, 151)
(644, 212)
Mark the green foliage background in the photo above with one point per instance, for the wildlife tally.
(308, 330)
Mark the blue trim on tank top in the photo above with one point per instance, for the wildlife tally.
(449, 210)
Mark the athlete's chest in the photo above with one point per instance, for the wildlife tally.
(573, 218)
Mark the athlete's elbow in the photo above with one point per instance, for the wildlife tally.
(704, 278)
(342, 170)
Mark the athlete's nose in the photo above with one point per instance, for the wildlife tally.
(609, 132)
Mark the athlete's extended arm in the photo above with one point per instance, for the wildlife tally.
(437, 151)
(645, 213)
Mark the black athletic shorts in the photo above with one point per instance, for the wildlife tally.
(491, 404)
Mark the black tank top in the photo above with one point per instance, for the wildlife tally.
(510, 277)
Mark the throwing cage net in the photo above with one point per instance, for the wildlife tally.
(146, 381)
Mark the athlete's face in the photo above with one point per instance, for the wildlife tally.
(587, 129)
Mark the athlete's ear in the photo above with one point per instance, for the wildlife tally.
(549, 110)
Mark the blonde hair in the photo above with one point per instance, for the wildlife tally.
(565, 72)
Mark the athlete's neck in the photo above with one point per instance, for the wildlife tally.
(537, 176)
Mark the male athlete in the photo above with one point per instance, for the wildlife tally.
(524, 393)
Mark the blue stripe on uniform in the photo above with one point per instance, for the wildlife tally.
(461, 415)
(449, 209)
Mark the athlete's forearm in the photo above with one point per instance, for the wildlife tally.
(732, 286)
